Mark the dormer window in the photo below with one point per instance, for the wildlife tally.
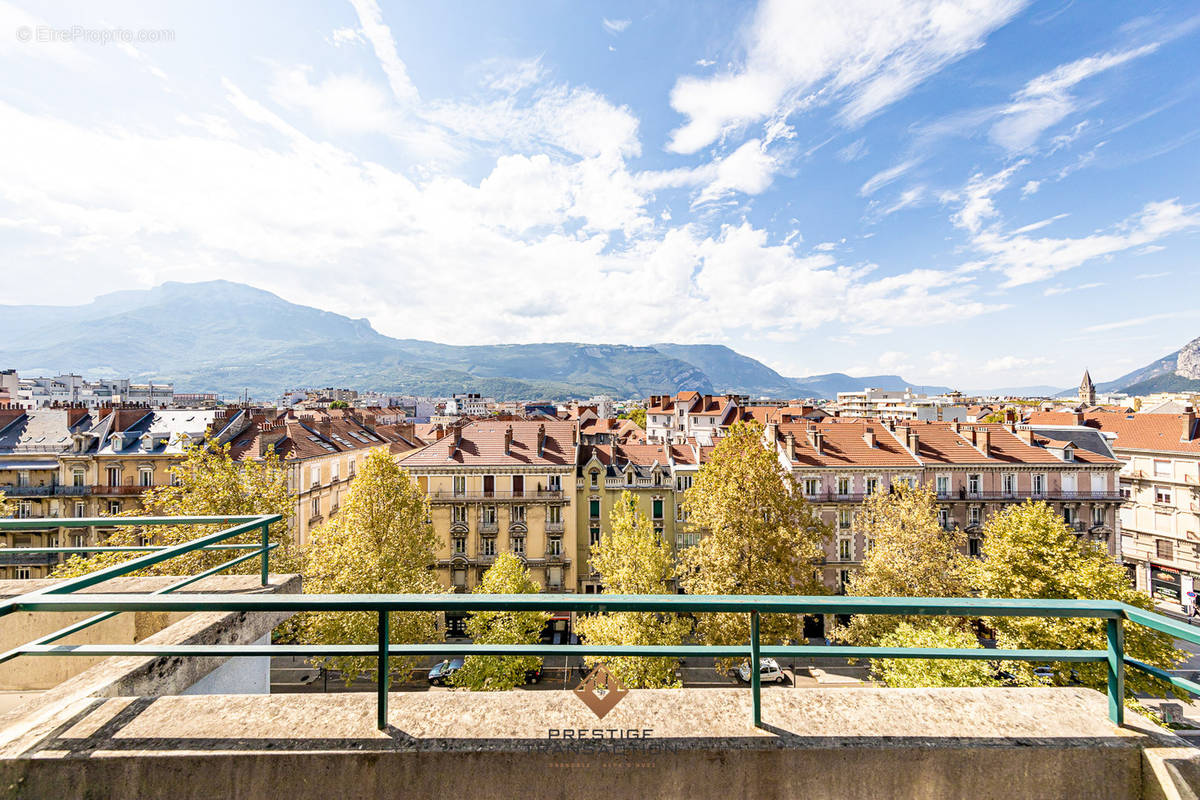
(595, 479)
(629, 479)
(1068, 454)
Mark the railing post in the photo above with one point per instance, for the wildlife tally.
(755, 677)
(265, 554)
(382, 682)
(1116, 670)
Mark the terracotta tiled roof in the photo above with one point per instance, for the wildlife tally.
(482, 444)
(1161, 432)
(844, 444)
(298, 438)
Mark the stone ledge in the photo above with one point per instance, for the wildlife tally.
(819, 743)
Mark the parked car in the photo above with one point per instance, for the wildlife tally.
(768, 671)
(533, 675)
(1043, 675)
(441, 672)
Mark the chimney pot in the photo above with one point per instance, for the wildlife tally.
(790, 439)
(1188, 424)
(869, 436)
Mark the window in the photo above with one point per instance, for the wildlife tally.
(1097, 515)
(314, 475)
(459, 545)
(114, 506)
(77, 476)
(1162, 494)
(460, 485)
(458, 578)
(1126, 491)
(1068, 515)
(487, 546)
(683, 482)
(844, 518)
(1165, 549)
(21, 573)
(554, 482)
(844, 549)
(1039, 484)
(458, 514)
(944, 518)
(943, 485)
(973, 483)
(24, 509)
(843, 484)
(594, 508)
(316, 507)
(145, 476)
(114, 476)
(1010, 483)
(872, 485)
(350, 466)
(595, 479)
(80, 508)
(78, 540)
(1162, 468)
(974, 513)
(554, 546)
(656, 508)
(1068, 454)
(811, 486)
(518, 545)
(974, 548)
(593, 537)
(554, 577)
(517, 514)
(23, 477)
(333, 472)
(554, 515)
(487, 515)
(629, 479)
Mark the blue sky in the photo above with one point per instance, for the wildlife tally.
(986, 193)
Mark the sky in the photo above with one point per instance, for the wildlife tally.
(981, 193)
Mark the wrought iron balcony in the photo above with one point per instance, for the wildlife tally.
(529, 496)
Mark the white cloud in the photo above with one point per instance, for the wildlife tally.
(1030, 187)
(511, 76)
(853, 151)
(976, 197)
(1056, 290)
(1134, 322)
(1046, 100)
(1008, 363)
(704, 62)
(340, 103)
(749, 169)
(884, 177)
(615, 26)
(861, 54)
(370, 18)
(344, 36)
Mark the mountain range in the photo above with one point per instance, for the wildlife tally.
(227, 337)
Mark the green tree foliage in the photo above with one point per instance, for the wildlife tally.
(6, 508)
(638, 415)
(632, 558)
(379, 542)
(911, 555)
(339, 404)
(1029, 552)
(208, 482)
(913, 672)
(507, 575)
(760, 537)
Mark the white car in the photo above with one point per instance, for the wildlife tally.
(768, 671)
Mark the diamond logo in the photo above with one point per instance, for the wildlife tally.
(601, 691)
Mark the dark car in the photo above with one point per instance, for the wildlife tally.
(440, 674)
(533, 675)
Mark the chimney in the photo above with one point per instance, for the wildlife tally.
(1078, 416)
(575, 435)
(771, 431)
(457, 436)
(1027, 436)
(790, 440)
(914, 441)
(439, 432)
(541, 438)
(508, 433)
(1188, 424)
(325, 427)
(956, 426)
(985, 442)
(817, 439)
(869, 436)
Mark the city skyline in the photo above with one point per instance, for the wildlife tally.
(903, 189)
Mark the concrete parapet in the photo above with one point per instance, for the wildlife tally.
(1001, 743)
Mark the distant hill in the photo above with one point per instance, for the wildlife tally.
(829, 384)
(1174, 372)
(224, 337)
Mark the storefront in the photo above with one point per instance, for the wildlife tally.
(1165, 583)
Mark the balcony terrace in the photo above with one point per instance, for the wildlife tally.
(531, 496)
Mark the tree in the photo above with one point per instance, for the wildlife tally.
(6, 508)
(919, 672)
(507, 575)
(638, 415)
(380, 542)
(910, 555)
(339, 404)
(208, 482)
(1029, 552)
(761, 537)
(632, 558)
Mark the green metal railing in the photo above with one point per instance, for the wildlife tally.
(60, 598)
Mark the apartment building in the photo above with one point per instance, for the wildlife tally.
(688, 414)
(975, 470)
(502, 486)
(1160, 484)
(905, 405)
(321, 452)
(605, 472)
(71, 389)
